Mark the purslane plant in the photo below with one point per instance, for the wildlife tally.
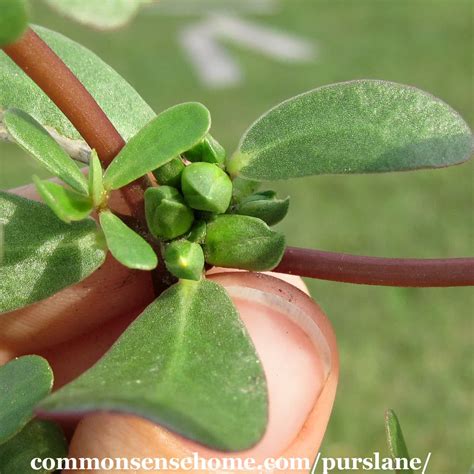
(191, 207)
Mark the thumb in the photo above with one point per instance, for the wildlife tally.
(297, 347)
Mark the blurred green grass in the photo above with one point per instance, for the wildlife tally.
(409, 349)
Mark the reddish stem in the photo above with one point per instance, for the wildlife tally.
(405, 272)
(57, 81)
(66, 91)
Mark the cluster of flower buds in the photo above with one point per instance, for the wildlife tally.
(203, 216)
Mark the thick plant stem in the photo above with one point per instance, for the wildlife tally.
(57, 81)
(39, 62)
(404, 272)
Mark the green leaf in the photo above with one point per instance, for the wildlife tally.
(99, 14)
(65, 203)
(365, 126)
(169, 134)
(266, 206)
(243, 242)
(396, 441)
(23, 383)
(39, 254)
(96, 185)
(39, 439)
(34, 138)
(186, 363)
(120, 102)
(126, 245)
(13, 20)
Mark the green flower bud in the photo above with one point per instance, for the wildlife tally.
(166, 213)
(206, 187)
(264, 205)
(170, 173)
(184, 259)
(208, 150)
(198, 232)
(243, 242)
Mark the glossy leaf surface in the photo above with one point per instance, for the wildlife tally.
(121, 103)
(13, 20)
(169, 134)
(396, 441)
(125, 244)
(65, 203)
(99, 14)
(243, 242)
(365, 126)
(23, 383)
(33, 138)
(39, 254)
(186, 363)
(38, 439)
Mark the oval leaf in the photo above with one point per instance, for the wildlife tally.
(39, 254)
(38, 439)
(126, 245)
(186, 363)
(169, 134)
(34, 138)
(365, 126)
(121, 103)
(65, 203)
(13, 20)
(23, 383)
(102, 15)
(244, 242)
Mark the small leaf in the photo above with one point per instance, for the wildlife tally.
(186, 363)
(38, 439)
(13, 20)
(39, 254)
(396, 441)
(169, 134)
(364, 126)
(116, 97)
(33, 138)
(96, 186)
(65, 203)
(126, 245)
(23, 383)
(99, 14)
(266, 206)
(243, 242)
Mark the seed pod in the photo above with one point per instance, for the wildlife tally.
(264, 205)
(242, 242)
(167, 214)
(170, 173)
(206, 187)
(184, 259)
(208, 150)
